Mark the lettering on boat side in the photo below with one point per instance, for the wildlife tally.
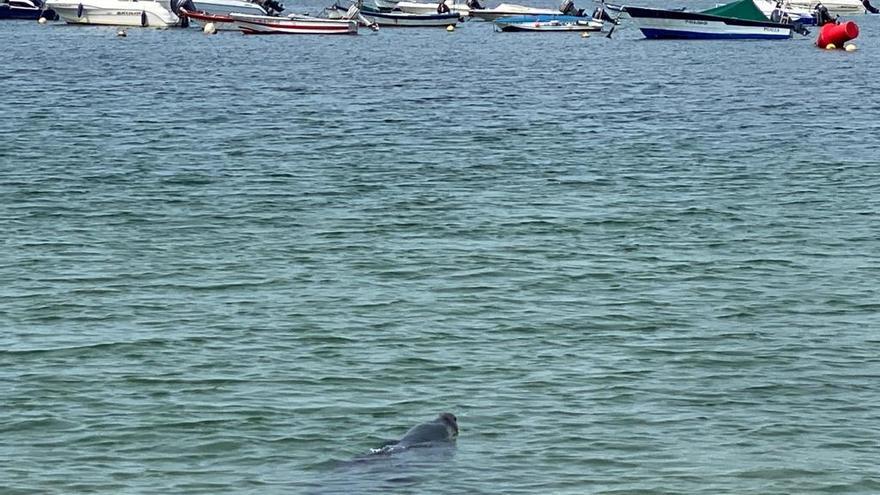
(690, 21)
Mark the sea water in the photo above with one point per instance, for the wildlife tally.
(234, 264)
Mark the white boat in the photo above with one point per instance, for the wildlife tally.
(146, 13)
(294, 24)
(397, 18)
(779, 10)
(835, 7)
(24, 9)
(737, 20)
(431, 7)
(509, 10)
(227, 6)
(217, 11)
(550, 23)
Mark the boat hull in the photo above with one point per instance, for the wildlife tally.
(673, 24)
(223, 22)
(801, 15)
(25, 11)
(227, 6)
(390, 19)
(548, 23)
(144, 14)
(431, 8)
(835, 7)
(509, 10)
(253, 24)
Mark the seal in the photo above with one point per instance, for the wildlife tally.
(444, 429)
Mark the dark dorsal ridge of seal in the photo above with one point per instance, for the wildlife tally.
(442, 429)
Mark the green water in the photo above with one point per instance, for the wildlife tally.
(234, 265)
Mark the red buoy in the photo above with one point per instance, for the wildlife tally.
(837, 34)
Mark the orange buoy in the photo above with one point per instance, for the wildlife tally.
(837, 34)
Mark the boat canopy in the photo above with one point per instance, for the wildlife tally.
(742, 9)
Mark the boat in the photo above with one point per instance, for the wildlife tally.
(146, 13)
(25, 10)
(835, 7)
(217, 11)
(403, 19)
(783, 10)
(293, 24)
(221, 21)
(431, 7)
(741, 19)
(509, 10)
(548, 23)
(264, 7)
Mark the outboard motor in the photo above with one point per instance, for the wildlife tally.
(182, 4)
(567, 7)
(273, 7)
(354, 13)
(178, 5)
(823, 16)
(600, 14)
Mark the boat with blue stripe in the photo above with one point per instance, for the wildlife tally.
(560, 23)
(738, 21)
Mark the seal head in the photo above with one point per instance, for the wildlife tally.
(444, 429)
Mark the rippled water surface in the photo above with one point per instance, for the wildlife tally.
(234, 264)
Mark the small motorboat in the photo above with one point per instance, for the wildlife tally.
(835, 7)
(784, 11)
(431, 7)
(397, 18)
(293, 24)
(217, 11)
(145, 13)
(25, 10)
(557, 23)
(509, 10)
(737, 20)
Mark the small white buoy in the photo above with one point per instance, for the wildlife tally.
(585, 35)
(830, 46)
(210, 28)
(450, 28)
(850, 47)
(42, 20)
(121, 33)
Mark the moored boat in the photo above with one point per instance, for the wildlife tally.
(217, 11)
(431, 7)
(403, 19)
(262, 24)
(551, 23)
(145, 13)
(221, 21)
(737, 20)
(783, 10)
(835, 7)
(263, 7)
(509, 10)
(24, 10)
